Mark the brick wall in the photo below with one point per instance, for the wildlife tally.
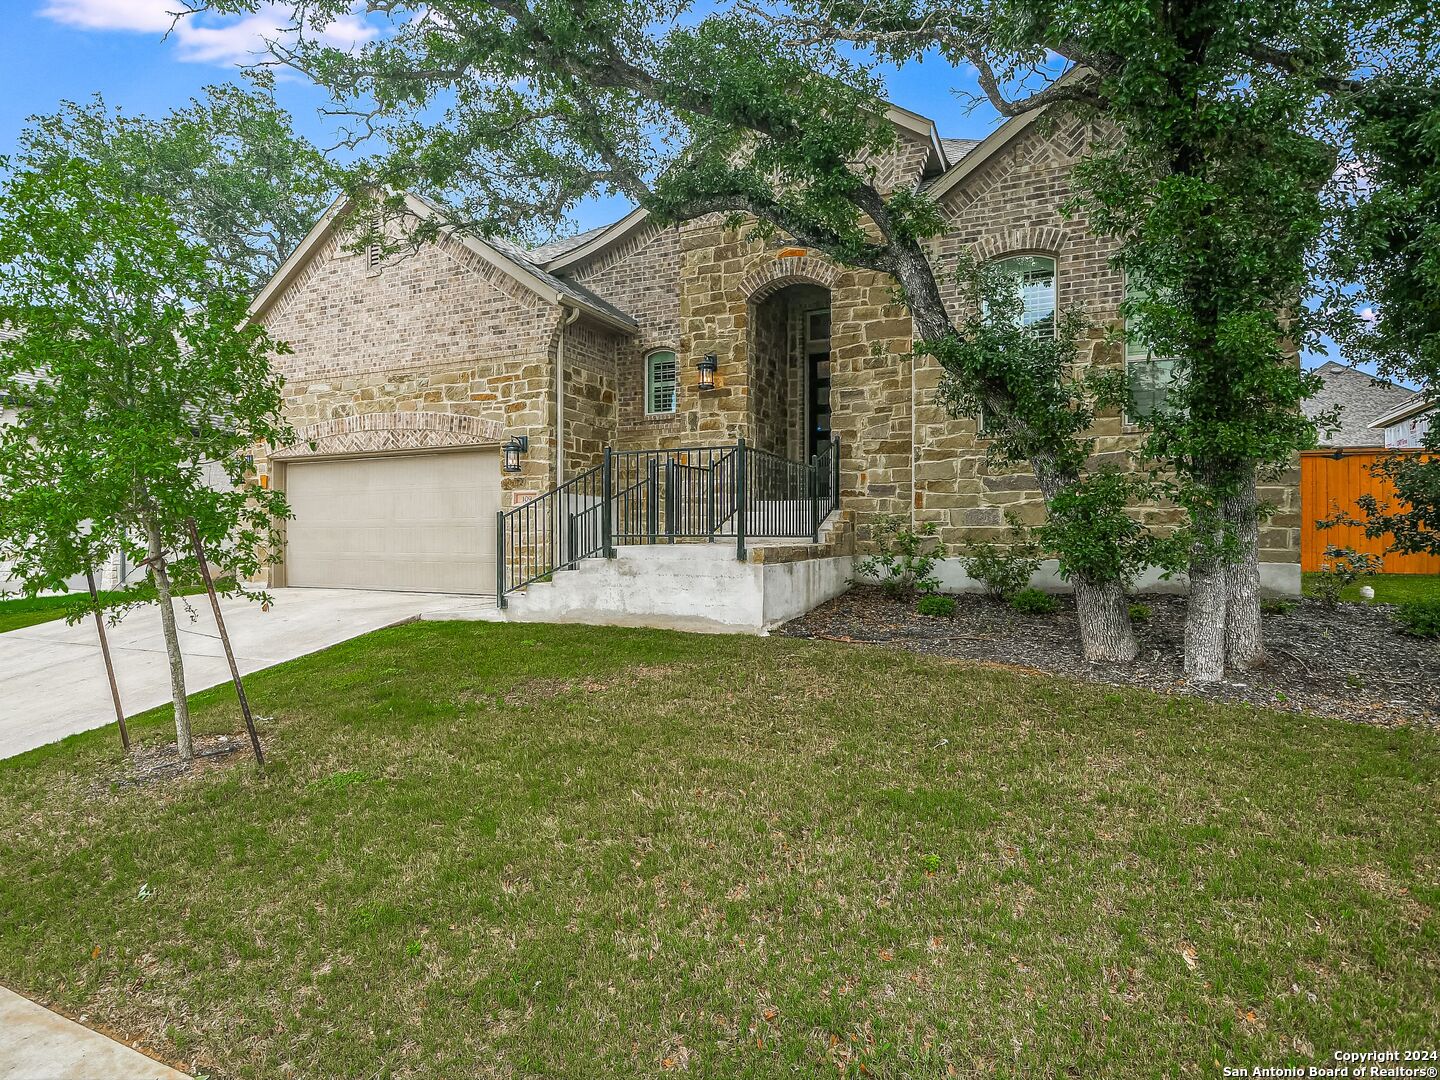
(436, 331)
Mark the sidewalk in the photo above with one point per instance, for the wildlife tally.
(37, 1044)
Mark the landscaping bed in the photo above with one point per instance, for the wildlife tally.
(1348, 662)
(522, 851)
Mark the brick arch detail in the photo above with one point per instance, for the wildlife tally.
(791, 270)
(1034, 240)
(385, 432)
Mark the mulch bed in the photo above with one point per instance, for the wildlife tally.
(1347, 662)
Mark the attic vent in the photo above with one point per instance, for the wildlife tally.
(374, 253)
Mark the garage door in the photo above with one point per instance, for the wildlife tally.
(411, 522)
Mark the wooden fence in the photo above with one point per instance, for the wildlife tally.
(1331, 480)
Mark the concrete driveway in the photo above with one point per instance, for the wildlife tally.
(52, 676)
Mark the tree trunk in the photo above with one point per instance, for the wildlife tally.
(1205, 609)
(1106, 632)
(1102, 608)
(1244, 641)
(172, 644)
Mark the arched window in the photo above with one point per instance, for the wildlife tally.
(661, 382)
(1035, 277)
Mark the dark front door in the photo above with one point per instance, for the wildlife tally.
(817, 378)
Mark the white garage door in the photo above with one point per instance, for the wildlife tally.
(412, 522)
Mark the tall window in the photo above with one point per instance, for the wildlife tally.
(1035, 276)
(1150, 376)
(661, 372)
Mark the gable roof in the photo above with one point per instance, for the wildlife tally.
(1360, 397)
(509, 259)
(943, 155)
(1414, 405)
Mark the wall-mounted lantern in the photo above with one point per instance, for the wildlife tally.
(518, 444)
(708, 365)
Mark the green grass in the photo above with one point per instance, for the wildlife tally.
(30, 610)
(1389, 588)
(569, 852)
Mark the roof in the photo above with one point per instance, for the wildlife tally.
(1415, 405)
(1360, 397)
(955, 149)
(506, 257)
(556, 248)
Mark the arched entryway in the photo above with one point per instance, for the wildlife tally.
(790, 370)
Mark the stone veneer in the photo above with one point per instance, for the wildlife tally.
(444, 333)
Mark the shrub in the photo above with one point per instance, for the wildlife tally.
(907, 560)
(937, 607)
(1419, 618)
(1033, 602)
(1276, 606)
(1005, 571)
(1341, 568)
(1140, 612)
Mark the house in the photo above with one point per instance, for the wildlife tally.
(1405, 426)
(1358, 398)
(752, 394)
(116, 571)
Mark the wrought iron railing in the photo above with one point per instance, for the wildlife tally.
(662, 496)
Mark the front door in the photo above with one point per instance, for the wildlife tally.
(817, 379)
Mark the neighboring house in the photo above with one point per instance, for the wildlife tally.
(408, 375)
(1358, 398)
(1405, 426)
(113, 573)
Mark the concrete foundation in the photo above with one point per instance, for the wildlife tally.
(700, 587)
(1276, 579)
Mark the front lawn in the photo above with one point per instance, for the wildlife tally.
(1389, 588)
(29, 610)
(19, 611)
(568, 852)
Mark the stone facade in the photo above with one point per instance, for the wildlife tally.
(445, 332)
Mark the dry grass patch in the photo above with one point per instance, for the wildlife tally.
(500, 851)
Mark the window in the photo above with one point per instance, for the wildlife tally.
(1035, 276)
(1150, 376)
(660, 382)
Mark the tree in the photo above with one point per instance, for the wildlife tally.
(236, 177)
(1389, 244)
(507, 113)
(1099, 547)
(135, 376)
(1212, 183)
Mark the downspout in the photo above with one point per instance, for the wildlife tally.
(560, 395)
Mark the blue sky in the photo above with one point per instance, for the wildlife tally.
(69, 49)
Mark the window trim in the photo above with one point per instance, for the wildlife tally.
(1054, 261)
(650, 383)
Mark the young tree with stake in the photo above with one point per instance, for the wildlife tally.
(133, 372)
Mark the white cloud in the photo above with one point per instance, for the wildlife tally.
(148, 15)
(202, 39)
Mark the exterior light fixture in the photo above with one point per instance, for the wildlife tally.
(708, 365)
(518, 444)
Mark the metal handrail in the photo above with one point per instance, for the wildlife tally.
(653, 496)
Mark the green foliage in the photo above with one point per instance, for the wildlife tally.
(240, 183)
(906, 561)
(1033, 602)
(1020, 379)
(1341, 568)
(1419, 618)
(136, 379)
(1005, 570)
(1093, 536)
(937, 607)
(1275, 606)
(1140, 612)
